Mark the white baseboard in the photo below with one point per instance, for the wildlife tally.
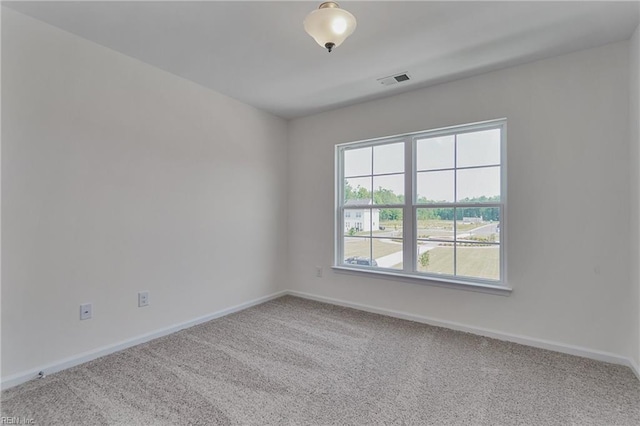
(63, 364)
(635, 368)
(523, 340)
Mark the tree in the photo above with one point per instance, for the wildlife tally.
(362, 192)
(383, 196)
(387, 196)
(359, 192)
(424, 259)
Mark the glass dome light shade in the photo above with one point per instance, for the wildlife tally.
(329, 24)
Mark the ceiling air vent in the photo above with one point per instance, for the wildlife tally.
(394, 79)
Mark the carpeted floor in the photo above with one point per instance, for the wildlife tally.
(293, 361)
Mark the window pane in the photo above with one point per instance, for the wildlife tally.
(478, 224)
(435, 258)
(387, 252)
(357, 222)
(357, 189)
(478, 260)
(388, 158)
(388, 189)
(390, 224)
(479, 148)
(434, 187)
(435, 224)
(478, 185)
(357, 251)
(357, 162)
(435, 153)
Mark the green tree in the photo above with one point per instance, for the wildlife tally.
(387, 196)
(424, 259)
(348, 191)
(359, 192)
(362, 192)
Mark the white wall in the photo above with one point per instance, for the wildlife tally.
(634, 131)
(568, 183)
(119, 177)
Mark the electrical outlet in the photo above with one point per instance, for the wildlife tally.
(319, 271)
(86, 311)
(143, 299)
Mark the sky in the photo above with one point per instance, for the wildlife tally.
(480, 148)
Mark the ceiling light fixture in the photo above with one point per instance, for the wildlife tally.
(329, 25)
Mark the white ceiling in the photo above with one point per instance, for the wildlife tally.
(258, 52)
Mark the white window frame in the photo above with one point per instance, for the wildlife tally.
(410, 206)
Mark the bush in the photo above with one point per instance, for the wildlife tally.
(424, 259)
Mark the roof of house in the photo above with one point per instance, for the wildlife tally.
(358, 202)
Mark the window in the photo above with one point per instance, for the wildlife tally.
(429, 205)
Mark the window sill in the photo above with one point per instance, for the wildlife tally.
(497, 289)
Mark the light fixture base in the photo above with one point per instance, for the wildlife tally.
(329, 4)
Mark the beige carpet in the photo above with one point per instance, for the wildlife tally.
(292, 361)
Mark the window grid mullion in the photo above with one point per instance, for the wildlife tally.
(455, 208)
(389, 174)
(459, 205)
(339, 246)
(409, 242)
(448, 169)
(371, 209)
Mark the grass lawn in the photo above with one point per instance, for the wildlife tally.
(360, 247)
(481, 262)
(443, 229)
(431, 228)
(391, 228)
(390, 225)
(446, 225)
